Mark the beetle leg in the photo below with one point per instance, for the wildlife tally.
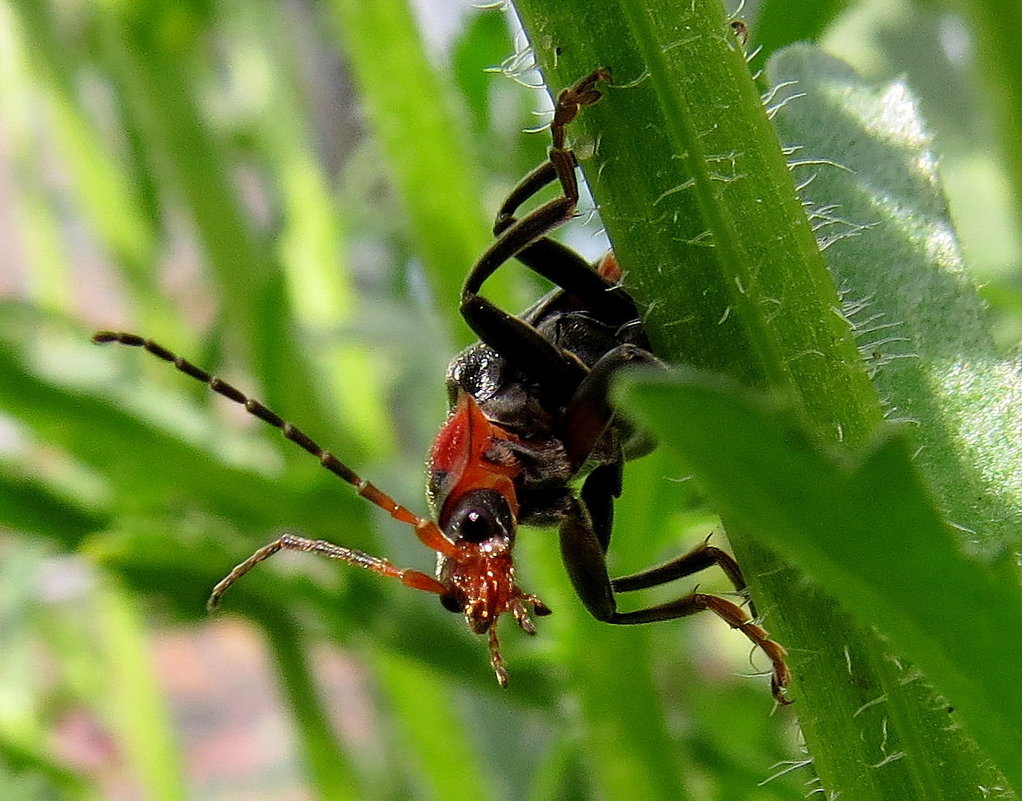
(554, 212)
(558, 263)
(510, 336)
(525, 238)
(585, 562)
(586, 418)
(410, 578)
(525, 348)
(735, 617)
(496, 660)
(600, 489)
(699, 558)
(590, 410)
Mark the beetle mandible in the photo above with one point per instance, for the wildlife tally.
(530, 415)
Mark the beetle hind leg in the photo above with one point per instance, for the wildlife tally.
(699, 558)
(583, 554)
(730, 613)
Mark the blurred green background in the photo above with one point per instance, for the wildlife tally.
(290, 193)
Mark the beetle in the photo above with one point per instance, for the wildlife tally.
(530, 418)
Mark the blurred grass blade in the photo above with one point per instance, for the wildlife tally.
(311, 244)
(330, 772)
(156, 74)
(19, 760)
(105, 191)
(29, 505)
(428, 722)
(138, 712)
(868, 531)
(131, 449)
(424, 142)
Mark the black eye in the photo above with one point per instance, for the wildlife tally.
(476, 526)
(479, 516)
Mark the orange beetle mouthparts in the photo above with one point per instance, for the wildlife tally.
(484, 575)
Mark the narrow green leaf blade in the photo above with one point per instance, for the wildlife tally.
(868, 531)
(409, 105)
(874, 192)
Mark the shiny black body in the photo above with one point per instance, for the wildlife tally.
(532, 418)
(545, 376)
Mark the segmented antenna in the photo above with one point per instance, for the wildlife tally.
(426, 529)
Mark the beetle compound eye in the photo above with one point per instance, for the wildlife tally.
(479, 516)
(477, 526)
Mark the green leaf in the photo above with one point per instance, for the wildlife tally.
(27, 504)
(34, 775)
(867, 529)
(873, 190)
(130, 449)
(139, 713)
(702, 211)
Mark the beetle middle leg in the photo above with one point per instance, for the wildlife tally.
(515, 339)
(558, 263)
(584, 558)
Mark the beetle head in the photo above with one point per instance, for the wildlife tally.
(480, 574)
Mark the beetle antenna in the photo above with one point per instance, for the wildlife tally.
(427, 531)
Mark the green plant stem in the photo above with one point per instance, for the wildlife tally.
(699, 204)
(749, 294)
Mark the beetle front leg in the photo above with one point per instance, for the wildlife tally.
(586, 564)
